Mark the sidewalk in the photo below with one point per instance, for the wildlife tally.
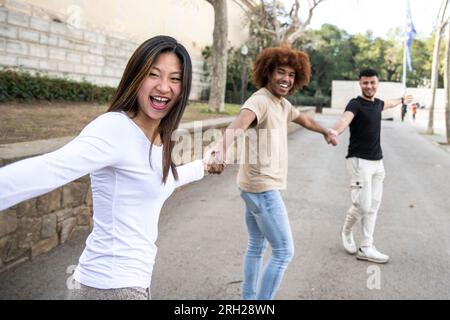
(421, 124)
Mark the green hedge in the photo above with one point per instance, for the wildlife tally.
(22, 86)
(317, 101)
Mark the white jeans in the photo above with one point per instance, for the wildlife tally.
(366, 185)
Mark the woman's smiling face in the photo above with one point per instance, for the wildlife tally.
(160, 90)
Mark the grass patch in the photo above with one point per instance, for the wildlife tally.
(44, 120)
(199, 111)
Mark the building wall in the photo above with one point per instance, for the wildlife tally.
(93, 40)
(190, 21)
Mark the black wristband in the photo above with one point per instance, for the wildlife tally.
(403, 101)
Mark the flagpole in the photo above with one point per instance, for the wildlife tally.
(409, 36)
(404, 52)
(404, 64)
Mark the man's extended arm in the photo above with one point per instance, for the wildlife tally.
(407, 98)
(216, 156)
(310, 124)
(343, 122)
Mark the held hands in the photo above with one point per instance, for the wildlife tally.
(213, 161)
(331, 137)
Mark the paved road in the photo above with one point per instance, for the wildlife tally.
(202, 234)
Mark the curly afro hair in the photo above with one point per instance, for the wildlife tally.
(270, 58)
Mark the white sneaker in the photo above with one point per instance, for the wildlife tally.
(348, 242)
(371, 254)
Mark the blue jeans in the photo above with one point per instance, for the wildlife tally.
(267, 222)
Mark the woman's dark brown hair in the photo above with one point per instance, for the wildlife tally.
(270, 58)
(138, 67)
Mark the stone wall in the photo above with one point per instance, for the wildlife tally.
(36, 40)
(38, 225)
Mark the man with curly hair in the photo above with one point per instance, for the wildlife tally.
(278, 72)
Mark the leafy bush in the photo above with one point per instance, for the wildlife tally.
(22, 86)
(317, 101)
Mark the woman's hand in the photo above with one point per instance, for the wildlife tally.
(213, 161)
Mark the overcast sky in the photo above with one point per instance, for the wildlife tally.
(357, 16)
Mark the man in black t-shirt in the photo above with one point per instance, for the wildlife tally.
(365, 164)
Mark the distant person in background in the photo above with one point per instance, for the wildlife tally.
(414, 110)
(365, 164)
(404, 110)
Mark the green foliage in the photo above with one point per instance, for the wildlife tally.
(22, 86)
(421, 59)
(230, 109)
(330, 55)
(336, 55)
(304, 100)
(239, 69)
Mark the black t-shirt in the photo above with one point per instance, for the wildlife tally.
(365, 129)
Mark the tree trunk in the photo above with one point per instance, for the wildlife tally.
(244, 79)
(219, 56)
(447, 115)
(440, 25)
(390, 75)
(318, 92)
(447, 85)
(434, 80)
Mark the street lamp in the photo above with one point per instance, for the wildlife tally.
(244, 52)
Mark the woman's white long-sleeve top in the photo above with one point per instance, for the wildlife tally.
(127, 192)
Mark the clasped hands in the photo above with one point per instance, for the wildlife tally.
(331, 137)
(214, 161)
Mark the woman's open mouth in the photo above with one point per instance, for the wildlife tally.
(159, 103)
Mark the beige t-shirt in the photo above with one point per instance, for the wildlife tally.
(264, 159)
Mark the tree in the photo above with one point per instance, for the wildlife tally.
(271, 20)
(447, 85)
(330, 55)
(237, 78)
(393, 55)
(421, 51)
(369, 52)
(440, 26)
(219, 56)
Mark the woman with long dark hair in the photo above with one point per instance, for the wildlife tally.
(127, 152)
